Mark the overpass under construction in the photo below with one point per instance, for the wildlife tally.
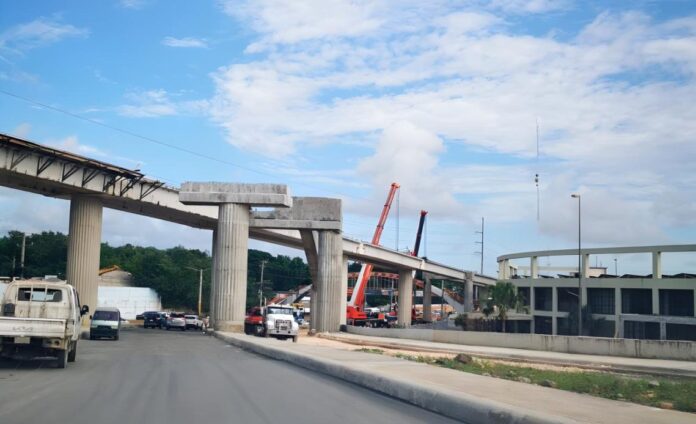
(308, 223)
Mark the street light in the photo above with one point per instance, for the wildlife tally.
(200, 287)
(577, 196)
(616, 267)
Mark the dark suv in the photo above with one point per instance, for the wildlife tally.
(152, 320)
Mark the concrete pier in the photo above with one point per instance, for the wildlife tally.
(84, 246)
(427, 299)
(468, 291)
(403, 316)
(328, 285)
(213, 281)
(231, 266)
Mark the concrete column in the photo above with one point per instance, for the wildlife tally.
(663, 330)
(617, 301)
(403, 316)
(531, 308)
(344, 291)
(427, 299)
(468, 291)
(657, 264)
(231, 266)
(534, 267)
(554, 310)
(503, 270)
(656, 301)
(84, 245)
(586, 266)
(584, 296)
(213, 280)
(329, 287)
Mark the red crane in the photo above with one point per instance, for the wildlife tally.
(354, 311)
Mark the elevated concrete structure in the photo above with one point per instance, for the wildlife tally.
(232, 240)
(653, 307)
(43, 170)
(84, 246)
(403, 314)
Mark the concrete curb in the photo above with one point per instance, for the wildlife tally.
(460, 406)
(652, 371)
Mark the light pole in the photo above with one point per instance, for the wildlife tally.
(577, 196)
(616, 267)
(200, 288)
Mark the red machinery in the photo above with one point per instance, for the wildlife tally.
(355, 315)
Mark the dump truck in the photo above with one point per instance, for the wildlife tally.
(41, 318)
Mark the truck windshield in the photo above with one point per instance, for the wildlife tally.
(105, 316)
(39, 295)
(280, 311)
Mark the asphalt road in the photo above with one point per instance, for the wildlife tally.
(154, 376)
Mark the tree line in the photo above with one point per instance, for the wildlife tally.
(168, 271)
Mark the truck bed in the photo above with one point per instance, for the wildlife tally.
(32, 327)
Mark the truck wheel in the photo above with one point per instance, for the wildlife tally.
(294, 339)
(265, 333)
(62, 360)
(73, 353)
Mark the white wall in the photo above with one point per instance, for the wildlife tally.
(659, 349)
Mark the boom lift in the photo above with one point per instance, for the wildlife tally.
(355, 315)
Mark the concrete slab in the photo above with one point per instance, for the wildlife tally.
(467, 397)
(310, 213)
(209, 193)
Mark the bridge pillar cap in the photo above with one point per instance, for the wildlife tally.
(213, 193)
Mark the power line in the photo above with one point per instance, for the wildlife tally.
(156, 141)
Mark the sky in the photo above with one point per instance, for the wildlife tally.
(341, 98)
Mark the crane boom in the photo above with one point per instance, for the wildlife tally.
(420, 232)
(357, 299)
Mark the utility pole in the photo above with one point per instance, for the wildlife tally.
(263, 265)
(200, 292)
(21, 261)
(481, 243)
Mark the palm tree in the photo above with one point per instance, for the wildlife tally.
(503, 297)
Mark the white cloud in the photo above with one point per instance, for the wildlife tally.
(461, 77)
(71, 144)
(22, 130)
(186, 42)
(160, 103)
(132, 4)
(37, 33)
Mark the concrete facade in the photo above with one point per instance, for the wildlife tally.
(655, 307)
(84, 247)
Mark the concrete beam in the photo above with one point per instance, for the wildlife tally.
(315, 213)
(211, 193)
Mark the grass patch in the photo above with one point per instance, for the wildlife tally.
(679, 392)
(370, 350)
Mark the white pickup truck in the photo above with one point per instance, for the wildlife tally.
(279, 322)
(40, 318)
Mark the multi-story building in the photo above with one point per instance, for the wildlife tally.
(655, 306)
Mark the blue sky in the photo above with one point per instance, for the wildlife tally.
(340, 98)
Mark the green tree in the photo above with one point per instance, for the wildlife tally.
(502, 297)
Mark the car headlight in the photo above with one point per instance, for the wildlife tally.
(295, 325)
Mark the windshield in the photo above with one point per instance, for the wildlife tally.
(279, 311)
(105, 316)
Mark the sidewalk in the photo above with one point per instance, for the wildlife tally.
(613, 363)
(467, 397)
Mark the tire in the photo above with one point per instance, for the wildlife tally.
(91, 337)
(183, 328)
(265, 334)
(294, 339)
(246, 329)
(169, 328)
(116, 336)
(73, 353)
(62, 360)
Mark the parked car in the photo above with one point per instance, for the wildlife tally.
(152, 319)
(140, 316)
(163, 319)
(106, 322)
(192, 321)
(176, 320)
